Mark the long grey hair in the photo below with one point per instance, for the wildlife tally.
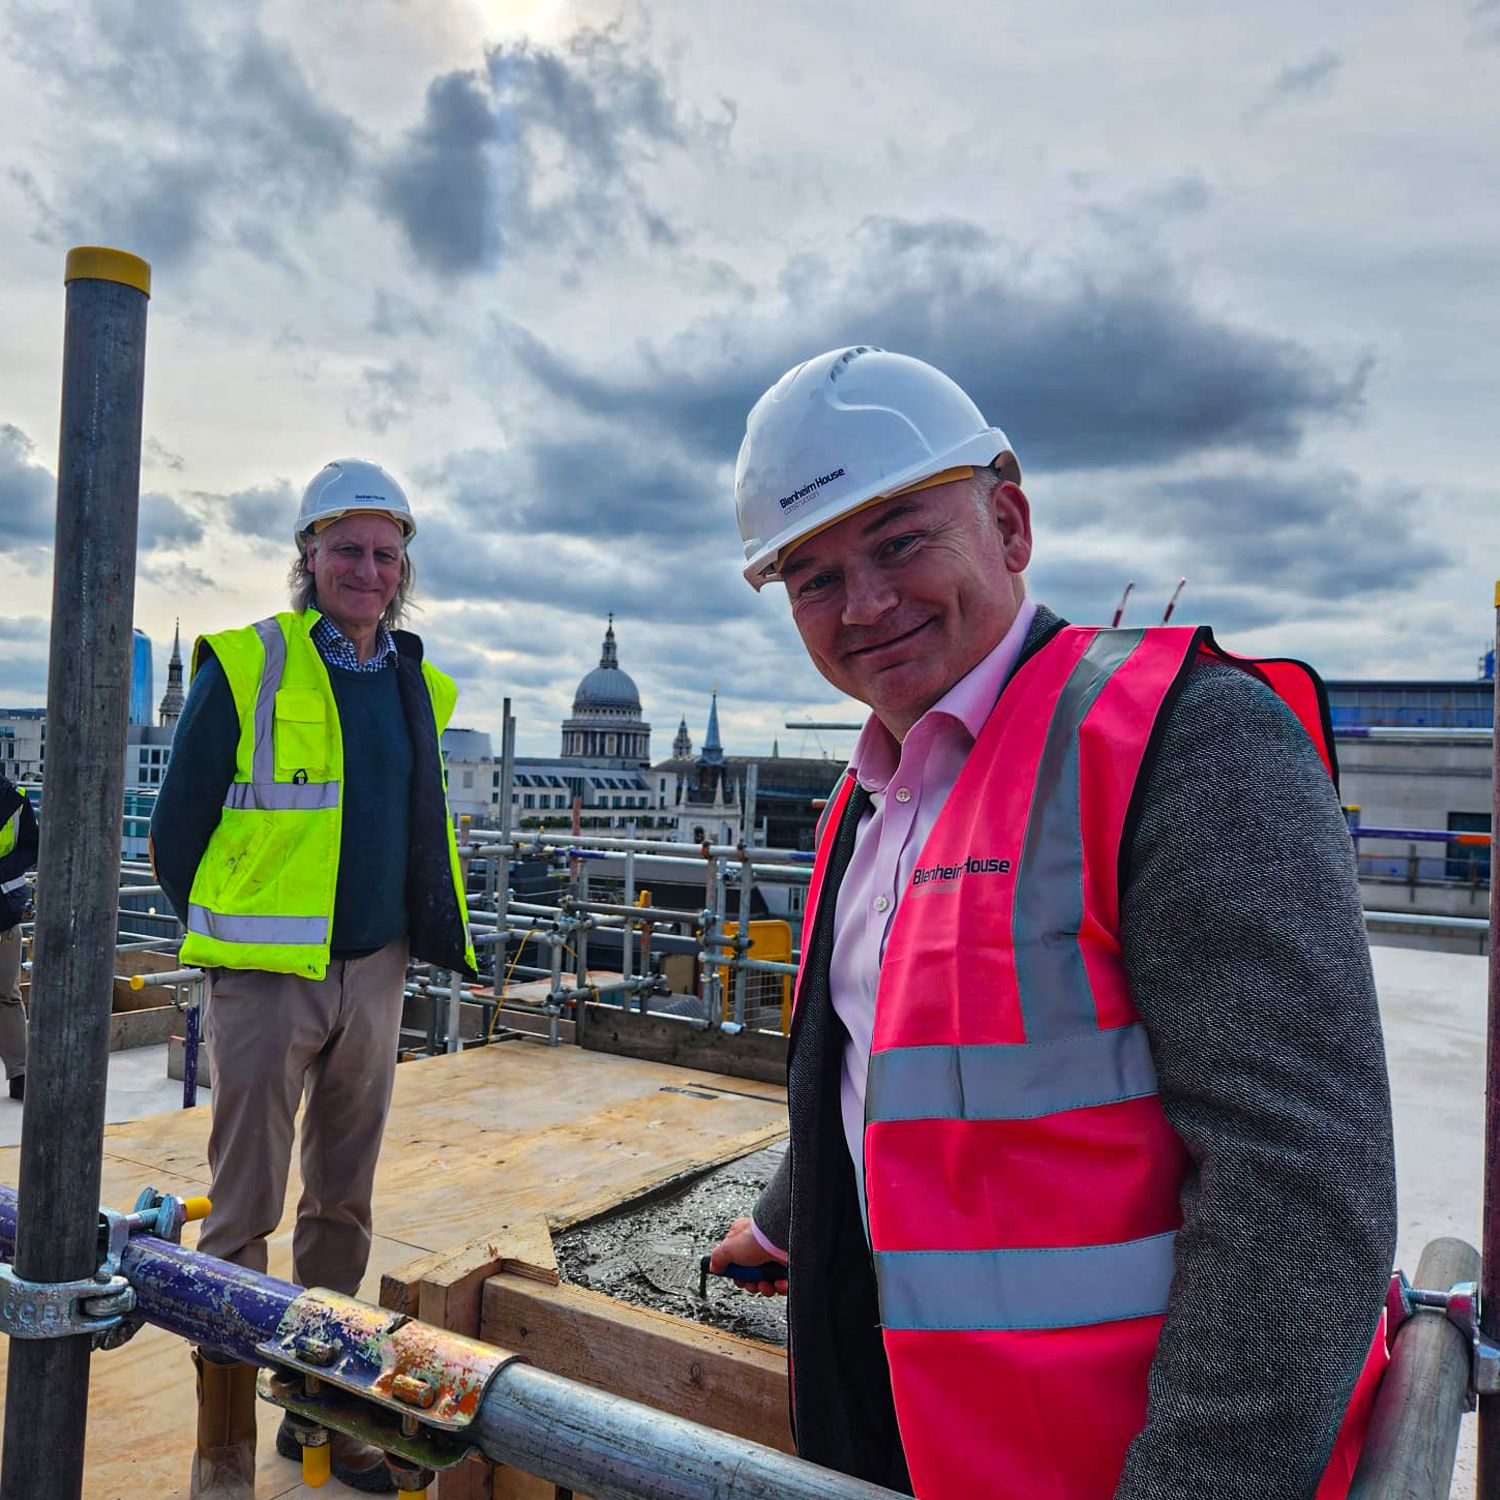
(304, 586)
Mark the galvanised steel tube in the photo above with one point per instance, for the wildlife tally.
(614, 1449)
(583, 843)
(1417, 919)
(73, 941)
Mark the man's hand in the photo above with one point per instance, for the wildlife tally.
(740, 1247)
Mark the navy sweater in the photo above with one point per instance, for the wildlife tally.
(370, 904)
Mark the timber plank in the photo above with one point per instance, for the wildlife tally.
(734, 1384)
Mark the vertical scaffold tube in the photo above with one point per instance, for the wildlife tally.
(1489, 1290)
(93, 594)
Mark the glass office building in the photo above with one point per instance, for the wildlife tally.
(142, 695)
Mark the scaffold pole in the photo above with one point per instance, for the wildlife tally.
(1489, 1288)
(73, 943)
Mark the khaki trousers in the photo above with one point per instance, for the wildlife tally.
(12, 1015)
(273, 1038)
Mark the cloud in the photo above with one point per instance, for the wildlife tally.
(1486, 16)
(457, 560)
(599, 485)
(541, 146)
(24, 630)
(24, 649)
(1141, 215)
(28, 492)
(267, 511)
(157, 456)
(1289, 535)
(1312, 79)
(198, 124)
(394, 316)
(388, 395)
(166, 525)
(175, 577)
(1089, 370)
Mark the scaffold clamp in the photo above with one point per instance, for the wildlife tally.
(63, 1309)
(1460, 1305)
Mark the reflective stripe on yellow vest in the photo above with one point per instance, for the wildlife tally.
(263, 894)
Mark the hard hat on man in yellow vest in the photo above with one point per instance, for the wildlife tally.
(348, 485)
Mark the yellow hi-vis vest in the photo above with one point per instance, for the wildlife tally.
(9, 831)
(263, 894)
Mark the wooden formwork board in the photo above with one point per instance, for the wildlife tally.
(480, 1145)
(734, 1384)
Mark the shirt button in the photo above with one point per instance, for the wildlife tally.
(882, 903)
(903, 794)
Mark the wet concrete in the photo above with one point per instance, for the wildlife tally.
(629, 1254)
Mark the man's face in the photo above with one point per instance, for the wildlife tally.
(356, 567)
(896, 603)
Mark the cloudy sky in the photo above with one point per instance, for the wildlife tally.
(1226, 274)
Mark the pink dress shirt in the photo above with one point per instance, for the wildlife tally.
(908, 782)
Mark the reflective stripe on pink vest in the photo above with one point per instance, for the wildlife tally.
(1022, 1181)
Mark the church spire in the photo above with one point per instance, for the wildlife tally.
(611, 654)
(172, 699)
(682, 746)
(713, 747)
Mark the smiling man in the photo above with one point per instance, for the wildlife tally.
(302, 835)
(1090, 1190)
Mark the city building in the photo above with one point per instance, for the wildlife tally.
(606, 727)
(1412, 703)
(142, 680)
(1413, 755)
(605, 767)
(606, 746)
(23, 743)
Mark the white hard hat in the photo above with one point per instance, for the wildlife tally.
(840, 431)
(352, 484)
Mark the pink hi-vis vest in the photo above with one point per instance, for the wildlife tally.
(1021, 1179)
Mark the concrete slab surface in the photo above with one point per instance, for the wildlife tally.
(138, 1086)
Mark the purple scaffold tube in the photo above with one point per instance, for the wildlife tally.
(1428, 835)
(202, 1300)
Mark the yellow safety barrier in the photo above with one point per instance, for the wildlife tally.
(772, 941)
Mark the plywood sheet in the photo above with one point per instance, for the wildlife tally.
(500, 1135)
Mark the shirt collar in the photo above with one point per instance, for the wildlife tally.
(331, 641)
(969, 702)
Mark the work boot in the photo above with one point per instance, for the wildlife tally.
(359, 1465)
(224, 1465)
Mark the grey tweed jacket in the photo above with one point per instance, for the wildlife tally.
(1245, 948)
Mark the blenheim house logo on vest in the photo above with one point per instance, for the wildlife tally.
(945, 877)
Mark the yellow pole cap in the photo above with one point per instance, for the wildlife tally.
(197, 1208)
(317, 1466)
(100, 263)
(137, 981)
(1497, 593)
